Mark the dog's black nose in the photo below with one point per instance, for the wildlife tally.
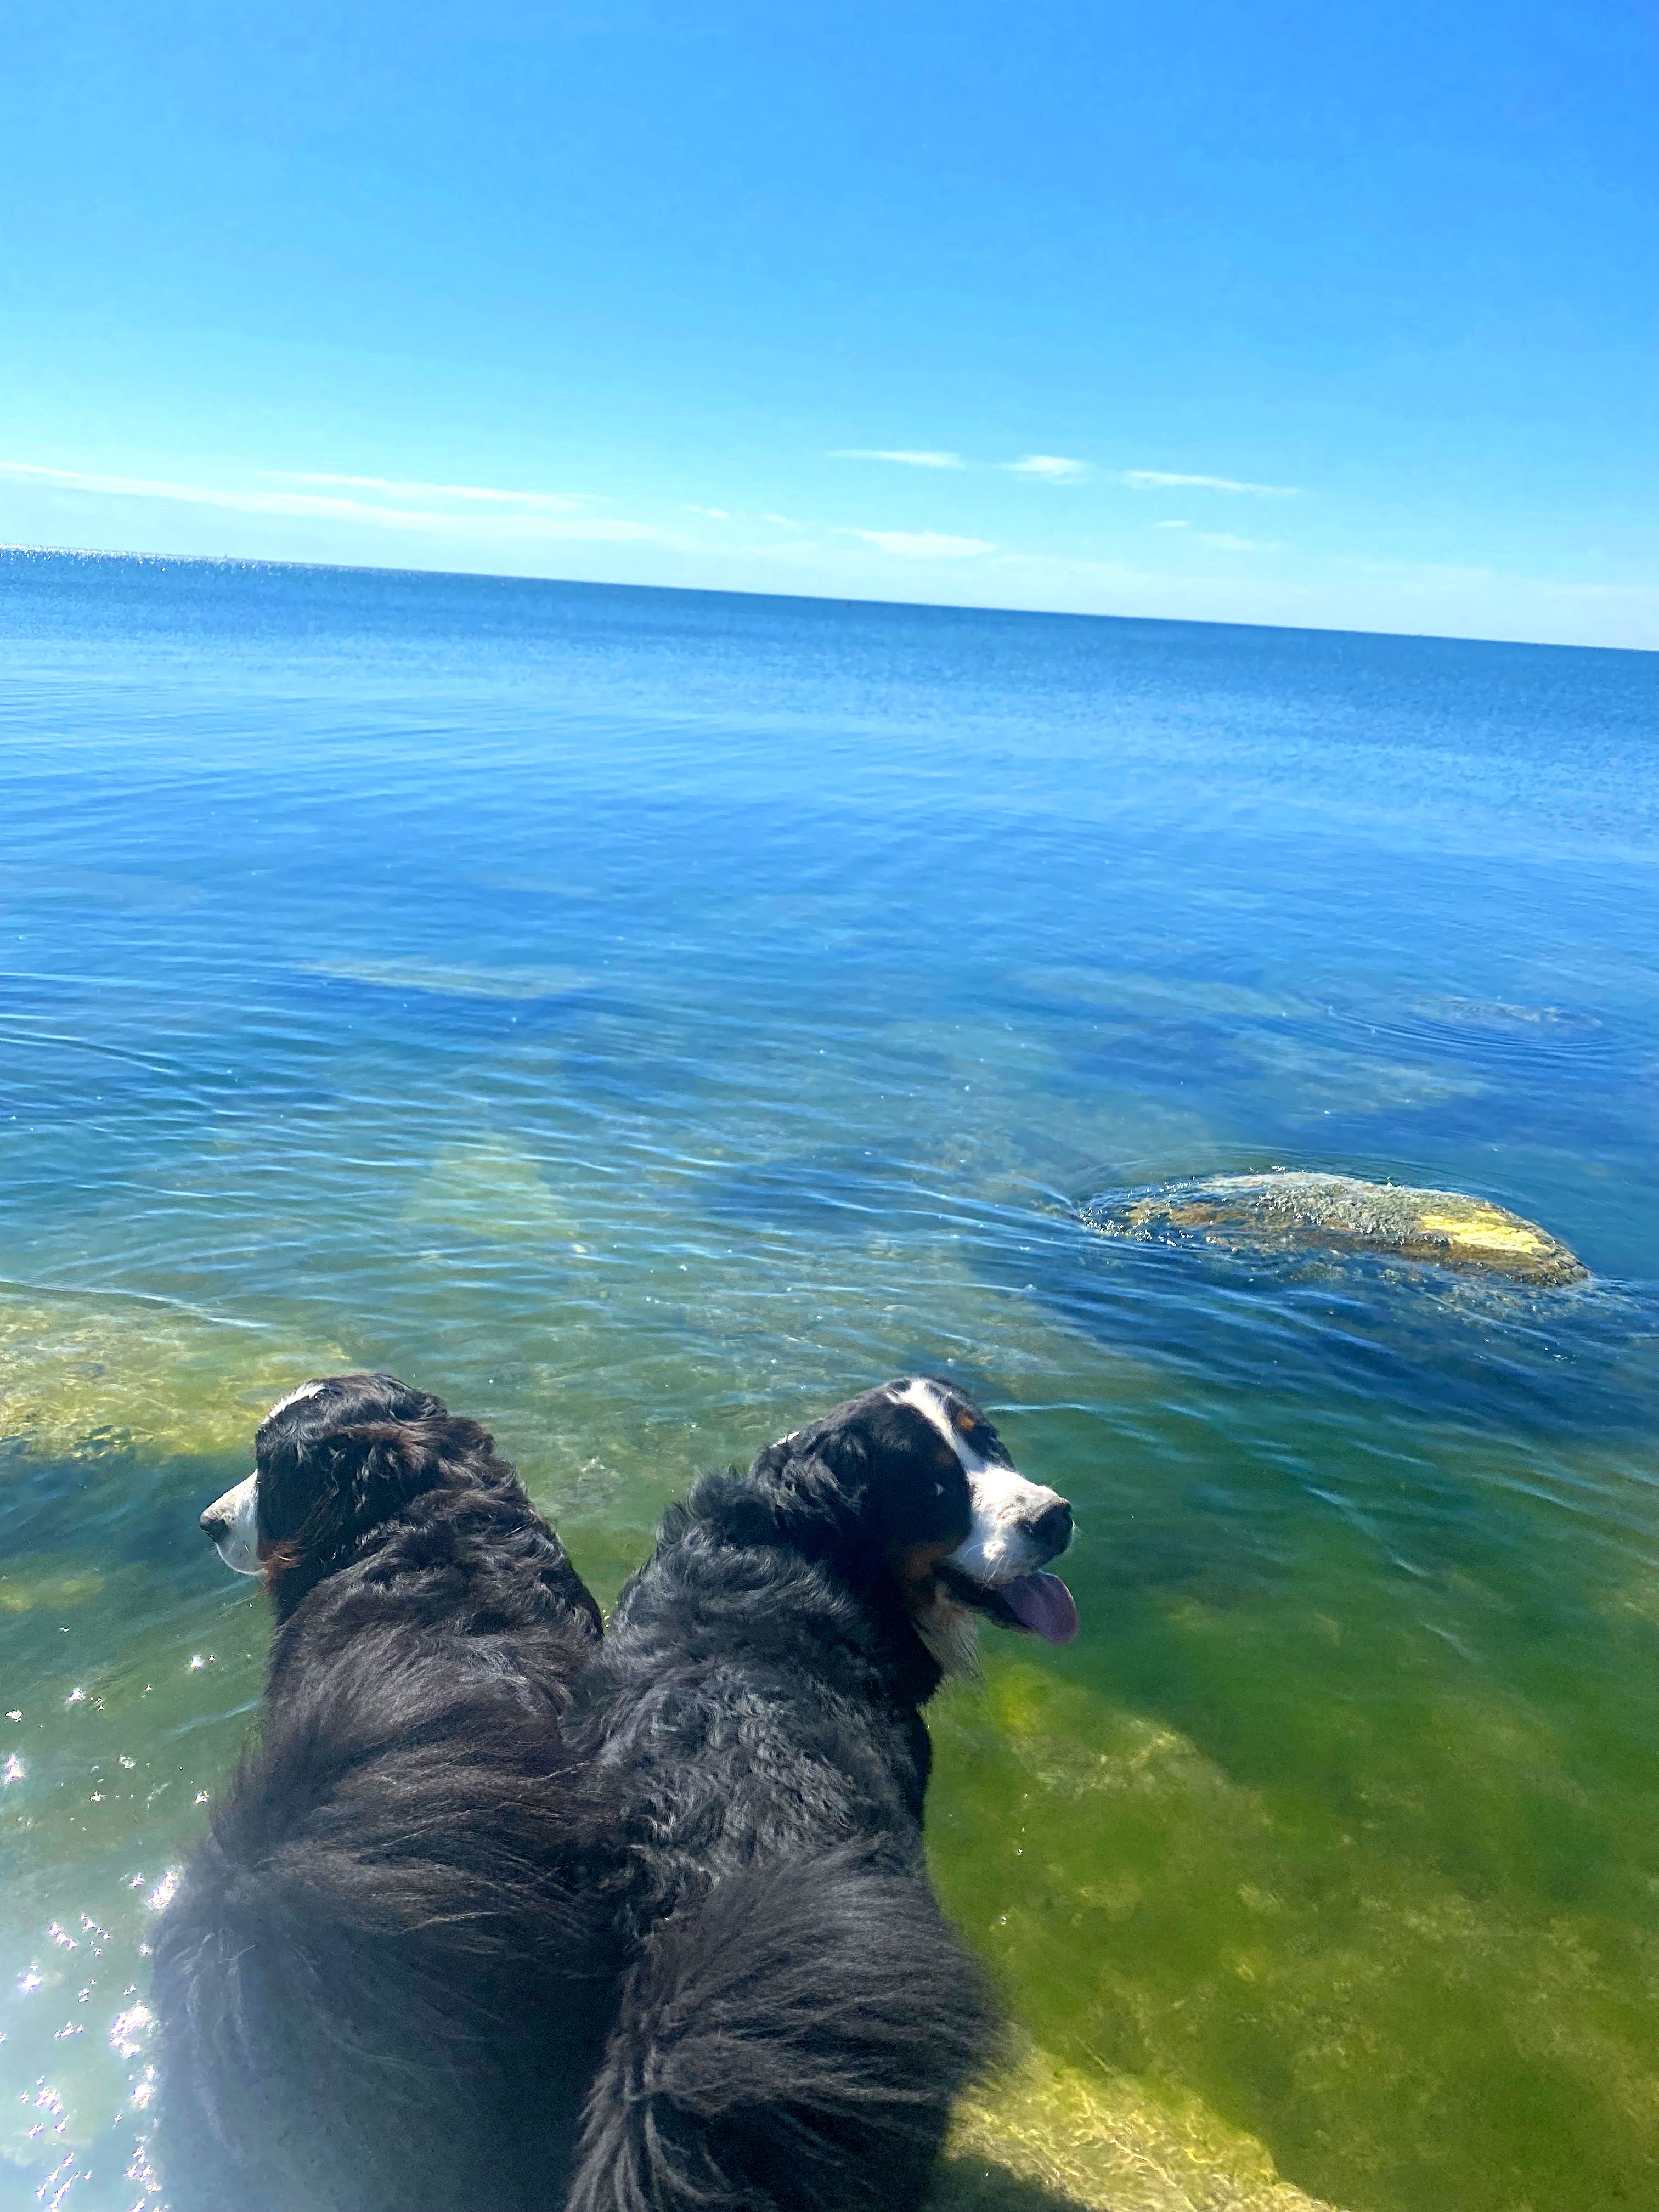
(214, 1526)
(1052, 1528)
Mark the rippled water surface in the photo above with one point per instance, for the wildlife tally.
(644, 1016)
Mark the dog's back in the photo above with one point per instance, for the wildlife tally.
(372, 1981)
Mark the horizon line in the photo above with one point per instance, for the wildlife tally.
(819, 598)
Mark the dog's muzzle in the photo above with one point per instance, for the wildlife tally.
(1001, 1569)
(231, 1525)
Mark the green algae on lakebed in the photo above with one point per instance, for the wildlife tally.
(1310, 1913)
(84, 1376)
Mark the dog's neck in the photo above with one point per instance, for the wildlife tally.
(917, 1670)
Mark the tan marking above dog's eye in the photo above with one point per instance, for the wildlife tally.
(967, 1422)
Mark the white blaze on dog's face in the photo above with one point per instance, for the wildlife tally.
(231, 1523)
(1018, 1526)
(1011, 1514)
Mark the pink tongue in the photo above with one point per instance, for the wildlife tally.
(1044, 1605)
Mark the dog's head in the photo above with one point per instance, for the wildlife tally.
(333, 1461)
(920, 1490)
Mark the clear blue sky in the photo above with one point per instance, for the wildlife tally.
(1338, 314)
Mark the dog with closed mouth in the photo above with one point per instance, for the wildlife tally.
(497, 1916)
(795, 2018)
(374, 1987)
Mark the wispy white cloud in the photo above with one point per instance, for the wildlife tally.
(236, 502)
(1051, 468)
(520, 523)
(906, 458)
(559, 502)
(923, 545)
(784, 521)
(1222, 541)
(714, 514)
(1165, 479)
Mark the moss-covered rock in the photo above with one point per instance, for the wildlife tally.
(1047, 2136)
(1287, 1210)
(81, 1376)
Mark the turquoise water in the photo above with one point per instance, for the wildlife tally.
(644, 1016)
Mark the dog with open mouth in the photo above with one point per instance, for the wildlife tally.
(375, 1989)
(795, 2018)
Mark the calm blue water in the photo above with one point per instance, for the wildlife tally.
(641, 1016)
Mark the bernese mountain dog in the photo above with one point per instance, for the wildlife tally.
(501, 1916)
(364, 1982)
(796, 2017)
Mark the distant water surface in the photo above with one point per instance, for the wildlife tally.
(644, 1016)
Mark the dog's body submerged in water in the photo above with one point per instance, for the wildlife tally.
(637, 1927)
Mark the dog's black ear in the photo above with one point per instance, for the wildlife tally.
(846, 1450)
(817, 1495)
(807, 1493)
(362, 1476)
(823, 1471)
(771, 1463)
(316, 1504)
(382, 1465)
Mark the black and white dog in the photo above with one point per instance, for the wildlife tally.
(374, 1990)
(497, 1917)
(796, 2017)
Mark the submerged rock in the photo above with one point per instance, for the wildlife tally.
(90, 1377)
(1287, 1210)
(45, 1583)
(453, 979)
(1050, 2138)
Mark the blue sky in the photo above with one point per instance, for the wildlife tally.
(1342, 314)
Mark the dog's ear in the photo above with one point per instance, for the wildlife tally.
(382, 1465)
(846, 1450)
(813, 1490)
(361, 1476)
(357, 1476)
(822, 1471)
(806, 1492)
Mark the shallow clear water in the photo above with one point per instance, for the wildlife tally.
(643, 1017)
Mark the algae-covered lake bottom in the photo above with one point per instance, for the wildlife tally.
(643, 1017)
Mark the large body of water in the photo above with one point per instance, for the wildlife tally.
(644, 1016)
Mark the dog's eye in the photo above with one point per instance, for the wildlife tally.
(939, 1490)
